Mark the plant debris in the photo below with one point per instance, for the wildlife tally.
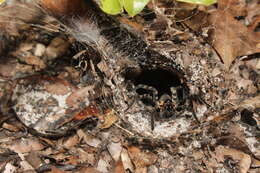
(173, 89)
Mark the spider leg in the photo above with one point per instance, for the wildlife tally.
(152, 120)
(151, 107)
(148, 88)
(150, 100)
(174, 93)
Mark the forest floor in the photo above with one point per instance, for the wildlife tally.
(47, 124)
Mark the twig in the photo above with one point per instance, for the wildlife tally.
(127, 131)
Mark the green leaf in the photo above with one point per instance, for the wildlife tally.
(133, 7)
(203, 2)
(111, 6)
(2, 1)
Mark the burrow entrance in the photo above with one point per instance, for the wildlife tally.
(162, 80)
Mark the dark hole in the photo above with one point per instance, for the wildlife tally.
(230, 163)
(89, 123)
(178, 109)
(161, 80)
(148, 101)
(148, 15)
(240, 17)
(247, 117)
(257, 28)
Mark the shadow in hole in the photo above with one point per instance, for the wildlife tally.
(162, 80)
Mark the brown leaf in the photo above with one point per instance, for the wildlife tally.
(78, 95)
(88, 157)
(33, 60)
(71, 141)
(126, 160)
(105, 162)
(10, 127)
(234, 7)
(254, 26)
(141, 159)
(89, 170)
(56, 170)
(110, 118)
(90, 140)
(9, 168)
(198, 21)
(26, 167)
(13, 17)
(133, 25)
(34, 159)
(72, 160)
(39, 49)
(9, 68)
(26, 145)
(115, 150)
(231, 38)
(251, 102)
(64, 7)
(244, 159)
(253, 11)
(119, 168)
(255, 163)
(141, 170)
(57, 48)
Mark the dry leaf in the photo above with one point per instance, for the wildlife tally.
(140, 158)
(56, 170)
(14, 16)
(251, 102)
(86, 156)
(39, 49)
(71, 141)
(229, 42)
(244, 159)
(26, 145)
(34, 159)
(258, 65)
(10, 127)
(89, 170)
(57, 48)
(105, 162)
(198, 21)
(253, 11)
(9, 68)
(115, 150)
(32, 60)
(119, 168)
(102, 166)
(141, 170)
(234, 7)
(110, 118)
(64, 7)
(26, 166)
(255, 163)
(131, 25)
(9, 168)
(90, 140)
(126, 160)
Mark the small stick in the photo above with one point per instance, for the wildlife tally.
(130, 133)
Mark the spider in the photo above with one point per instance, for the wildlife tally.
(161, 107)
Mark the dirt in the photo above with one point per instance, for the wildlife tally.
(173, 89)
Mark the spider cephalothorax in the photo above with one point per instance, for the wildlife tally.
(167, 105)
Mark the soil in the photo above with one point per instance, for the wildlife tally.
(173, 89)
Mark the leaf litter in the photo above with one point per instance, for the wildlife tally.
(224, 86)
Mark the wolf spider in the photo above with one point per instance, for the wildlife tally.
(165, 106)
